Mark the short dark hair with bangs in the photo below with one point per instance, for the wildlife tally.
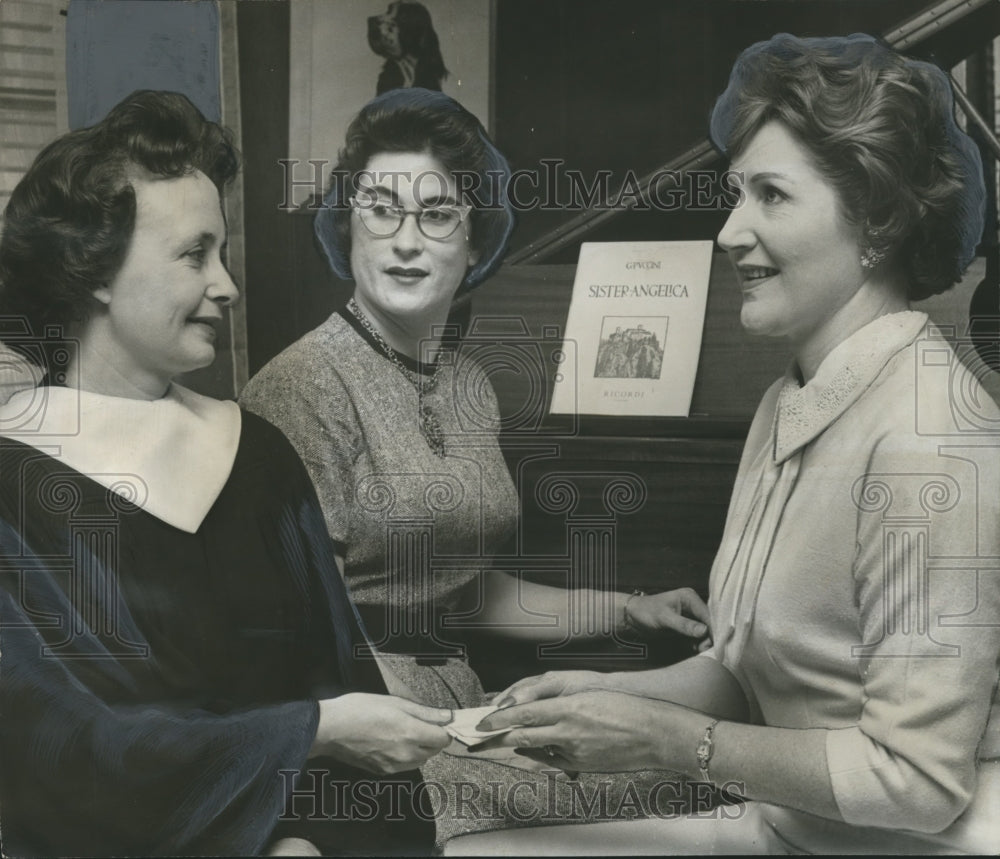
(420, 120)
(881, 128)
(70, 219)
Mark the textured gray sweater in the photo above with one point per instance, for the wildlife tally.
(353, 417)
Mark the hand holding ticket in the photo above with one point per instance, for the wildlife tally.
(463, 726)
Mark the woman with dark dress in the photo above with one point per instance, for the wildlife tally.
(182, 669)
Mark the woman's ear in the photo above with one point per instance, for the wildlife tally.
(102, 294)
(473, 256)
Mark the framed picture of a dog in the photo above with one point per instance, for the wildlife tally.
(344, 53)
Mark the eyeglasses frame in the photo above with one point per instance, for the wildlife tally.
(463, 210)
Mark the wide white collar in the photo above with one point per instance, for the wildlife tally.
(804, 411)
(170, 456)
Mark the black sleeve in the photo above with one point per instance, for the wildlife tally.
(87, 776)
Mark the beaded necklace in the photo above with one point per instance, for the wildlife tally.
(430, 425)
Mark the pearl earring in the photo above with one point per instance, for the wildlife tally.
(871, 257)
(876, 251)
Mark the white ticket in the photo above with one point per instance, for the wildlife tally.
(463, 726)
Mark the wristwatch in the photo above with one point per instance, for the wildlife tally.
(704, 751)
(626, 617)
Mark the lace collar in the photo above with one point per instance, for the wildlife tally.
(804, 411)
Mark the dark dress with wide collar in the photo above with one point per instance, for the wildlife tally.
(158, 687)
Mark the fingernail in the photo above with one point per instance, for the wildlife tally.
(484, 725)
(700, 629)
(506, 701)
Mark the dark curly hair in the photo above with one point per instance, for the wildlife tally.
(69, 221)
(421, 120)
(881, 129)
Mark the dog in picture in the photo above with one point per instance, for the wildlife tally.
(405, 37)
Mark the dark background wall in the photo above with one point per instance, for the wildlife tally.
(618, 86)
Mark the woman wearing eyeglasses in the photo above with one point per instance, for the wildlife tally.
(397, 429)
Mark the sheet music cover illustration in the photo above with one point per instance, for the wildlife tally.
(630, 347)
(635, 321)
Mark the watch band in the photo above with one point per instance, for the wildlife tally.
(704, 751)
(626, 617)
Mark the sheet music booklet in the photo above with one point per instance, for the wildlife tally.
(633, 336)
